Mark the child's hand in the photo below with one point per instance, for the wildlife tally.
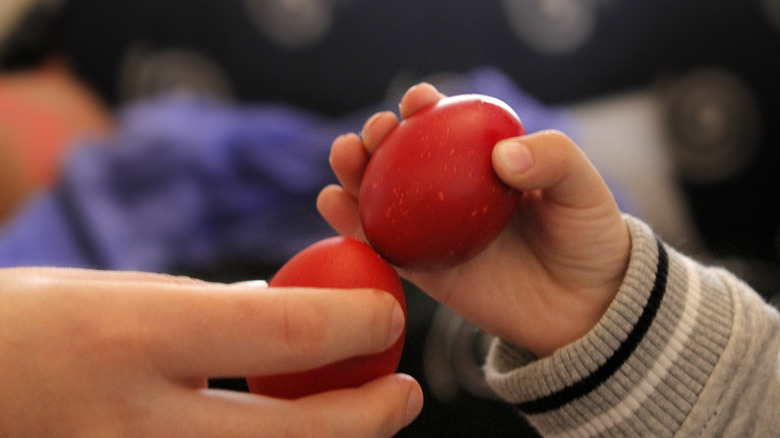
(551, 274)
(89, 353)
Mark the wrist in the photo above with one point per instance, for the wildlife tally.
(564, 327)
(669, 319)
(507, 362)
(581, 303)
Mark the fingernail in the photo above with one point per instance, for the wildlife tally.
(398, 323)
(341, 137)
(372, 120)
(252, 283)
(414, 403)
(515, 156)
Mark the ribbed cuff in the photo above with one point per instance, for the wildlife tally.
(640, 370)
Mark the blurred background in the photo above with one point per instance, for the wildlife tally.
(191, 136)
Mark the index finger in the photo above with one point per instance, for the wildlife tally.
(232, 331)
(190, 328)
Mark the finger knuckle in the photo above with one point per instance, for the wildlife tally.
(303, 323)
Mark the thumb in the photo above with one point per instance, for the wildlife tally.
(550, 161)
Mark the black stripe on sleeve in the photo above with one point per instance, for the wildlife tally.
(583, 387)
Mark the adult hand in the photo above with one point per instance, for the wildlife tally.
(551, 274)
(91, 353)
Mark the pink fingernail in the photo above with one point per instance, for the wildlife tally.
(516, 157)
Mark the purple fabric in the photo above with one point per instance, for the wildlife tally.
(40, 235)
(186, 183)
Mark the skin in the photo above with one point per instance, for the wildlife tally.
(551, 274)
(124, 354)
(108, 354)
(44, 112)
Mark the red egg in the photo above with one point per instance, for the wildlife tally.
(429, 198)
(345, 263)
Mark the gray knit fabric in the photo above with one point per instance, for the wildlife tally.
(683, 350)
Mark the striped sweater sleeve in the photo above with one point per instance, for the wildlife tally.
(683, 350)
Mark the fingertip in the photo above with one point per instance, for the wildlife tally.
(418, 97)
(415, 399)
(325, 197)
(409, 396)
(379, 408)
(397, 322)
(328, 200)
(376, 129)
(550, 161)
(344, 145)
(512, 159)
(344, 140)
(345, 136)
(340, 209)
(348, 159)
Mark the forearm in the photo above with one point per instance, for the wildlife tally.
(678, 344)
